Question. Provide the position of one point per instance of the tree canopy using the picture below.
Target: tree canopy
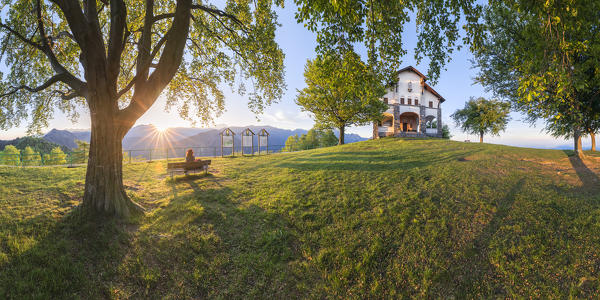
(51, 47)
(341, 90)
(379, 25)
(544, 56)
(481, 116)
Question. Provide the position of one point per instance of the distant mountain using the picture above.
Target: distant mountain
(37, 143)
(211, 138)
(149, 137)
(277, 137)
(61, 137)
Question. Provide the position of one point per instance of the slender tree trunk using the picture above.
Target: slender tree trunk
(481, 137)
(341, 138)
(577, 144)
(104, 191)
(593, 137)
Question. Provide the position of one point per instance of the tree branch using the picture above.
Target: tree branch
(21, 37)
(64, 75)
(212, 11)
(118, 18)
(52, 80)
(168, 63)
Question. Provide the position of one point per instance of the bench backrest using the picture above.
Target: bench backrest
(192, 164)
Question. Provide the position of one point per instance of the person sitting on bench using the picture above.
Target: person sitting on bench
(189, 157)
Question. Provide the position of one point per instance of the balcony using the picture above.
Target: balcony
(431, 130)
(385, 129)
(431, 111)
(409, 108)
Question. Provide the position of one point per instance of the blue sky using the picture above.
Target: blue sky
(455, 84)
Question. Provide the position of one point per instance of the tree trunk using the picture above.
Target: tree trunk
(593, 137)
(577, 144)
(341, 138)
(481, 137)
(104, 191)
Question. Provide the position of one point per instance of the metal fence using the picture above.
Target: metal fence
(43, 159)
(141, 155)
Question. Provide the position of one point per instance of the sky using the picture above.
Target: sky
(455, 85)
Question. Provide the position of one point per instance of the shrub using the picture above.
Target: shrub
(10, 156)
(56, 157)
(30, 157)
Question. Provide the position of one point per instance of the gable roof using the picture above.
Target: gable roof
(424, 78)
(414, 70)
(429, 88)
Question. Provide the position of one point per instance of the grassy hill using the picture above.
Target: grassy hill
(382, 219)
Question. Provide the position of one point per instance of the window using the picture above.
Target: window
(410, 86)
(416, 102)
(402, 100)
(396, 87)
(409, 101)
(430, 104)
(385, 100)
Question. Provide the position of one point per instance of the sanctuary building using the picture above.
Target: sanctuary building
(414, 107)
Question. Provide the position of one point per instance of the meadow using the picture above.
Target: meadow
(390, 218)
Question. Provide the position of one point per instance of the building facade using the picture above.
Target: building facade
(414, 107)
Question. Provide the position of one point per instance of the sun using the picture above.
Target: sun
(161, 128)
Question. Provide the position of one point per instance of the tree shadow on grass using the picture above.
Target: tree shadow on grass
(373, 161)
(589, 179)
(472, 267)
(211, 243)
(73, 258)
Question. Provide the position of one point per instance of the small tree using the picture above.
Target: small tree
(446, 132)
(341, 91)
(310, 140)
(10, 156)
(56, 157)
(482, 116)
(291, 143)
(29, 157)
(328, 138)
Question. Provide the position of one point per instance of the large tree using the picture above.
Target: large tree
(481, 116)
(544, 56)
(341, 90)
(116, 57)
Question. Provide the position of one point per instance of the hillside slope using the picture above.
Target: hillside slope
(389, 218)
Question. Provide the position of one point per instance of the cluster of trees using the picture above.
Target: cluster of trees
(314, 138)
(11, 155)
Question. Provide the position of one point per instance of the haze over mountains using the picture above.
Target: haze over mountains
(149, 137)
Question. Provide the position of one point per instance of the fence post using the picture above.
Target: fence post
(129, 156)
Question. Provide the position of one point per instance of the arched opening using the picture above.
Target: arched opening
(386, 126)
(409, 122)
(431, 124)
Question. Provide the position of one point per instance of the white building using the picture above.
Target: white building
(414, 107)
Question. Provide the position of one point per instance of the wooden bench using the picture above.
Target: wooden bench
(188, 166)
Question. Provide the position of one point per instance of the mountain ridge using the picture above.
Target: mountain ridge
(146, 136)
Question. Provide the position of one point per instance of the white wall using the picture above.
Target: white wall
(418, 92)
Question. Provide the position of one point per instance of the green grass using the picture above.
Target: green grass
(390, 218)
